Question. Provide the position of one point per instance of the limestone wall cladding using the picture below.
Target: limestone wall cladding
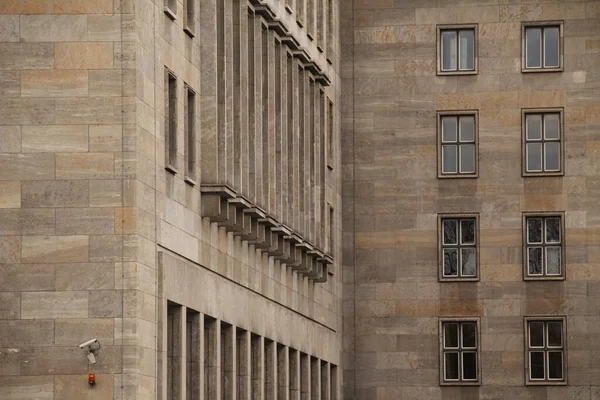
(392, 196)
(66, 158)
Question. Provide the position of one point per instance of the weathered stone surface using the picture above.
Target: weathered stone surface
(35, 305)
(54, 83)
(10, 307)
(84, 166)
(84, 55)
(55, 249)
(26, 55)
(54, 193)
(53, 28)
(79, 221)
(84, 276)
(10, 194)
(27, 387)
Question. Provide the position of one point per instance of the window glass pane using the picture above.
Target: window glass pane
(554, 333)
(450, 262)
(467, 49)
(449, 159)
(468, 261)
(469, 333)
(449, 129)
(467, 231)
(551, 126)
(552, 156)
(533, 37)
(467, 158)
(448, 50)
(536, 334)
(534, 157)
(534, 230)
(536, 365)
(553, 260)
(450, 334)
(469, 365)
(467, 129)
(535, 260)
(534, 126)
(450, 227)
(451, 363)
(555, 365)
(551, 47)
(553, 230)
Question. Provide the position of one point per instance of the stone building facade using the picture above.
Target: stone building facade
(300, 199)
(169, 185)
(401, 306)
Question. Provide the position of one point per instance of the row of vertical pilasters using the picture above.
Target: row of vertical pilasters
(207, 359)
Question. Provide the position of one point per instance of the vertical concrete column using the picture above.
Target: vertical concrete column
(284, 136)
(199, 375)
(253, 107)
(301, 137)
(315, 378)
(228, 364)
(319, 173)
(311, 15)
(266, 108)
(212, 359)
(305, 375)
(270, 370)
(333, 382)
(222, 84)
(283, 368)
(209, 160)
(258, 371)
(325, 381)
(294, 379)
(311, 159)
(163, 354)
(176, 360)
(271, 149)
(292, 133)
(278, 132)
(194, 375)
(229, 89)
(321, 16)
(324, 17)
(240, 96)
(244, 365)
(330, 31)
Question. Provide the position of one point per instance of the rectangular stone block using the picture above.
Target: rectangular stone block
(54, 83)
(23, 333)
(10, 139)
(106, 304)
(84, 276)
(106, 83)
(10, 83)
(23, 277)
(10, 249)
(55, 249)
(105, 248)
(53, 28)
(26, 387)
(24, 111)
(84, 55)
(84, 166)
(93, 110)
(27, 221)
(10, 307)
(26, 55)
(104, 28)
(55, 193)
(27, 6)
(69, 331)
(55, 138)
(54, 305)
(83, 6)
(10, 359)
(78, 221)
(106, 193)
(10, 194)
(106, 137)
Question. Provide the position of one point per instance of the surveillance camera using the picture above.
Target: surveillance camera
(92, 345)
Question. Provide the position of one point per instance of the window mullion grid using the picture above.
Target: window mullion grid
(458, 66)
(542, 51)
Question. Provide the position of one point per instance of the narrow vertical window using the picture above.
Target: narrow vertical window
(545, 351)
(543, 247)
(333, 384)
(171, 123)
(331, 230)
(330, 135)
(189, 12)
(542, 47)
(457, 49)
(459, 358)
(457, 141)
(542, 142)
(171, 9)
(193, 367)
(190, 136)
(458, 247)
(330, 32)
(174, 347)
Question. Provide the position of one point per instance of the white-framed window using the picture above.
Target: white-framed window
(458, 238)
(543, 142)
(542, 46)
(189, 17)
(459, 352)
(545, 357)
(544, 243)
(457, 144)
(457, 49)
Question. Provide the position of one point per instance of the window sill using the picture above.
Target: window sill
(330, 167)
(189, 32)
(442, 73)
(541, 174)
(533, 70)
(190, 181)
(462, 176)
(288, 8)
(546, 383)
(543, 278)
(170, 13)
(473, 279)
(460, 383)
(171, 169)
